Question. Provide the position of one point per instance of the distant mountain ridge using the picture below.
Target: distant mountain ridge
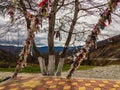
(16, 50)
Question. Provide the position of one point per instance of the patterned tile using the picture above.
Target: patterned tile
(57, 83)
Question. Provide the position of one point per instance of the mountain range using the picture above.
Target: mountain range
(16, 50)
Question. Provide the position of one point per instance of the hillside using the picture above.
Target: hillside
(107, 49)
(6, 58)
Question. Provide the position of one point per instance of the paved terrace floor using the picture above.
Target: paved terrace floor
(58, 83)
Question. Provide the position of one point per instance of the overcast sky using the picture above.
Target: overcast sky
(17, 35)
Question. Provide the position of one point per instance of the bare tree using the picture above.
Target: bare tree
(62, 15)
(63, 54)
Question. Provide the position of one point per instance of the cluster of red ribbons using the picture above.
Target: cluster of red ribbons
(11, 9)
(41, 4)
(11, 12)
(28, 44)
(92, 38)
(58, 35)
(44, 6)
(26, 50)
(35, 21)
(78, 60)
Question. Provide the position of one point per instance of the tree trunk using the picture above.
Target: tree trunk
(22, 63)
(52, 16)
(42, 65)
(61, 62)
(40, 59)
(60, 66)
(51, 65)
(51, 56)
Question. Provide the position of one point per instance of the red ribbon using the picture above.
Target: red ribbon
(42, 3)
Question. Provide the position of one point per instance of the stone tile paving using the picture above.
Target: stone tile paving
(57, 83)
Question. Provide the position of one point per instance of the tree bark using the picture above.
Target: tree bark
(61, 62)
(40, 59)
(60, 66)
(36, 52)
(42, 66)
(51, 65)
(52, 16)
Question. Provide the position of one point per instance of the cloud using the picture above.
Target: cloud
(17, 35)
